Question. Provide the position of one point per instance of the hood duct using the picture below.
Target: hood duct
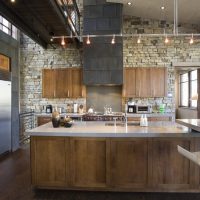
(102, 61)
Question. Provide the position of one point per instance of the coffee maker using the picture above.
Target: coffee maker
(49, 109)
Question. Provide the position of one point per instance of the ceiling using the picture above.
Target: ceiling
(188, 10)
(39, 19)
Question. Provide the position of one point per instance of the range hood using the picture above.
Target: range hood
(102, 61)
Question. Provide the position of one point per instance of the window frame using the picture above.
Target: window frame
(11, 32)
(189, 106)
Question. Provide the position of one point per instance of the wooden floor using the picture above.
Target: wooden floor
(15, 184)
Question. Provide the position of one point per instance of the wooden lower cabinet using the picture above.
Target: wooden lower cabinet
(114, 164)
(49, 161)
(170, 170)
(129, 158)
(88, 162)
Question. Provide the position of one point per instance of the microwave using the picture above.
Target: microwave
(139, 109)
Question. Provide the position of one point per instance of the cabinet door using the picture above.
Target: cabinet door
(77, 89)
(129, 158)
(43, 120)
(88, 162)
(129, 86)
(143, 82)
(158, 82)
(63, 83)
(48, 83)
(170, 170)
(49, 161)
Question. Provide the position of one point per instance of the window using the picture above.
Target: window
(8, 28)
(188, 89)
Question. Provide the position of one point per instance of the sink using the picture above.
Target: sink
(122, 124)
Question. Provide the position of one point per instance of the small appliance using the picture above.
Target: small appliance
(49, 109)
(140, 109)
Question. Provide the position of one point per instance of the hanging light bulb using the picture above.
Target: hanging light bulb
(113, 40)
(88, 40)
(139, 39)
(191, 40)
(63, 41)
(13, 1)
(166, 40)
(51, 39)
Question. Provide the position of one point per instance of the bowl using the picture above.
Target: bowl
(68, 124)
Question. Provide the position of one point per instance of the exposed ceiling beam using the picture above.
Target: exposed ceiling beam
(60, 14)
(20, 24)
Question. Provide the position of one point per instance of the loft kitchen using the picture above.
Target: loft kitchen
(104, 96)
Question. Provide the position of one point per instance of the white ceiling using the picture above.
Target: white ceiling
(188, 10)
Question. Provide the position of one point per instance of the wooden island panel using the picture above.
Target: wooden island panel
(170, 170)
(114, 164)
(49, 161)
(129, 161)
(88, 162)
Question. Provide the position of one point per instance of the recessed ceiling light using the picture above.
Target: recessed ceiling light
(129, 3)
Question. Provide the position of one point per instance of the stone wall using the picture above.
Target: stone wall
(33, 58)
(153, 52)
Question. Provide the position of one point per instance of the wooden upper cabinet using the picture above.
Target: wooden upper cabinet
(159, 82)
(63, 83)
(48, 83)
(129, 86)
(143, 82)
(77, 88)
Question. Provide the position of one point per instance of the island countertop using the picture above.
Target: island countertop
(107, 129)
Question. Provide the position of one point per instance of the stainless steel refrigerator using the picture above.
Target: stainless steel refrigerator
(5, 116)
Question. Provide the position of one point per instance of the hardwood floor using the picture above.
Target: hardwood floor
(15, 185)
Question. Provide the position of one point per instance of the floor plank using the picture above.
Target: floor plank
(15, 185)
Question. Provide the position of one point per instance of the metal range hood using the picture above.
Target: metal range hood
(102, 61)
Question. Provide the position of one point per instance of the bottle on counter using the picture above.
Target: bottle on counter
(142, 120)
(145, 120)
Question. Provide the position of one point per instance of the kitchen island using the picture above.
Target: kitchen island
(114, 157)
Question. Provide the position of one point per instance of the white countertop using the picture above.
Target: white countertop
(190, 123)
(100, 129)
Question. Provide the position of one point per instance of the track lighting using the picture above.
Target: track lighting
(113, 40)
(166, 40)
(88, 40)
(63, 41)
(191, 40)
(139, 39)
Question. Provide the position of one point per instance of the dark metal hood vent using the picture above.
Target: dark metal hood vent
(102, 61)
